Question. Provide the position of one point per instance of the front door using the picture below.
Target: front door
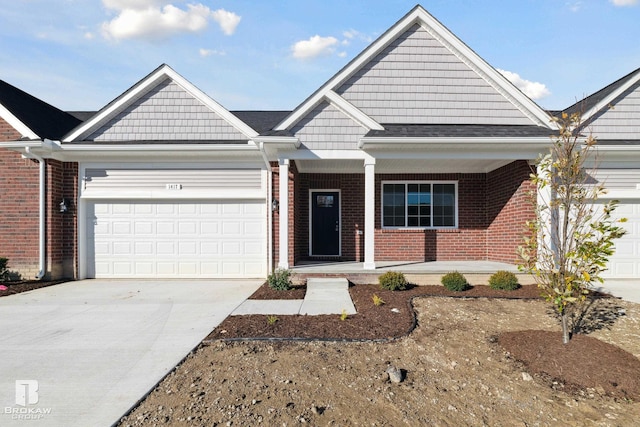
(325, 223)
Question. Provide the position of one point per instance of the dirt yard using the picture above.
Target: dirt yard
(455, 374)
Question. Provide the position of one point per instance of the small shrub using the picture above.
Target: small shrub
(4, 273)
(271, 320)
(377, 301)
(280, 280)
(344, 316)
(455, 281)
(393, 281)
(504, 280)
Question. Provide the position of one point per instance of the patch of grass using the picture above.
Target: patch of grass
(377, 301)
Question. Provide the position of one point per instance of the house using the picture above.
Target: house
(612, 116)
(416, 150)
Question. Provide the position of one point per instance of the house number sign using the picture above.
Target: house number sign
(174, 187)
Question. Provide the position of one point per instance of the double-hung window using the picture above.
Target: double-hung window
(421, 204)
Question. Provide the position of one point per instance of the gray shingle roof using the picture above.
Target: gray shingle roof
(460, 131)
(590, 101)
(43, 119)
(261, 121)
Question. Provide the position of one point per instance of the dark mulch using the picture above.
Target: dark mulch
(584, 362)
(27, 285)
(371, 322)
(266, 292)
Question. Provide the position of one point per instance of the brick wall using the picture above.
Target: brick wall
(61, 227)
(509, 207)
(467, 242)
(18, 208)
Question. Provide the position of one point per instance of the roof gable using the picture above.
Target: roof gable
(31, 117)
(163, 107)
(613, 113)
(419, 72)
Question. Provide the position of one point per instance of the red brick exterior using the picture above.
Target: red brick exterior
(19, 208)
(492, 211)
(19, 213)
(509, 207)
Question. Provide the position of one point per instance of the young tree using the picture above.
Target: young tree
(571, 238)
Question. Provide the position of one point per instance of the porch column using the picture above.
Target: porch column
(548, 238)
(369, 213)
(283, 187)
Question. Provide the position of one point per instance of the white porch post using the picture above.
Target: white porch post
(283, 254)
(549, 217)
(369, 213)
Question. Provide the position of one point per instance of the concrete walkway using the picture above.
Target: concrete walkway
(83, 353)
(323, 296)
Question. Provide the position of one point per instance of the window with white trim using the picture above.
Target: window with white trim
(421, 204)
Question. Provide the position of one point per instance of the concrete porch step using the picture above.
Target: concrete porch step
(324, 296)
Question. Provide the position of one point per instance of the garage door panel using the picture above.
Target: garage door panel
(168, 239)
(625, 262)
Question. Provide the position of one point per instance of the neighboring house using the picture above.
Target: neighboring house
(612, 116)
(416, 150)
(32, 233)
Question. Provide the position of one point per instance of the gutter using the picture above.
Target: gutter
(31, 155)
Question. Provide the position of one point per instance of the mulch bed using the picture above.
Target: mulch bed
(27, 285)
(586, 362)
(372, 322)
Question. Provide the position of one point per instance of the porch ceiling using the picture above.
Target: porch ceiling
(403, 165)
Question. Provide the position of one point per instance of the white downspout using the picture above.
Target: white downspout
(31, 155)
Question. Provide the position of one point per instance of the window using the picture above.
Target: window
(418, 204)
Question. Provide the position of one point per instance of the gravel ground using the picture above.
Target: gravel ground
(454, 373)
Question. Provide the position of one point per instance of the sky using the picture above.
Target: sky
(272, 54)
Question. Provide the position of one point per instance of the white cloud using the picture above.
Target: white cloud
(533, 90)
(357, 35)
(228, 21)
(210, 52)
(155, 19)
(315, 46)
(574, 6)
(624, 2)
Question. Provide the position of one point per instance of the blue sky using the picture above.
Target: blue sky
(264, 54)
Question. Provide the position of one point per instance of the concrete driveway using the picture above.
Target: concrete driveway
(83, 353)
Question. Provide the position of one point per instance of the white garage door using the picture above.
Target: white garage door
(625, 262)
(176, 239)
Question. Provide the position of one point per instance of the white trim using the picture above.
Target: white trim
(283, 193)
(161, 73)
(352, 111)
(310, 207)
(406, 213)
(17, 124)
(369, 214)
(613, 95)
(419, 15)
